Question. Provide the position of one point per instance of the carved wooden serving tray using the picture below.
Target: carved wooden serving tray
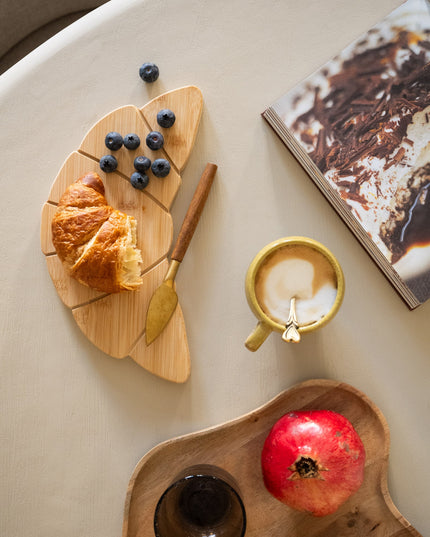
(236, 446)
(116, 323)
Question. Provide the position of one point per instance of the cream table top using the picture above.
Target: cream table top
(75, 421)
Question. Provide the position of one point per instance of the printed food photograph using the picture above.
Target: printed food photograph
(364, 121)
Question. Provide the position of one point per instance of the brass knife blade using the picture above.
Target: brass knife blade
(164, 300)
(161, 306)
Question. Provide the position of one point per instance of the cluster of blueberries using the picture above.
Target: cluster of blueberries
(155, 140)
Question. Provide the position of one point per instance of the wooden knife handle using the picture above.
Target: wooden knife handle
(194, 211)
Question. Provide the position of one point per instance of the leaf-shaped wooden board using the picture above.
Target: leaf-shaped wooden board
(236, 446)
(116, 323)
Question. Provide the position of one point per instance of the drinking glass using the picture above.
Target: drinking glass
(202, 501)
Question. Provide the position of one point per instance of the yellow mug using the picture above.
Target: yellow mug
(292, 330)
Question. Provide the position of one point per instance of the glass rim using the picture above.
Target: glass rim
(183, 479)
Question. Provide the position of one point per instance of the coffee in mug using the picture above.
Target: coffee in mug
(298, 272)
(294, 285)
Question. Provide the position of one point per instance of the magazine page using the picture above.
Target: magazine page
(362, 122)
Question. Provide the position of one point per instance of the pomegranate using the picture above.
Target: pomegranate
(313, 461)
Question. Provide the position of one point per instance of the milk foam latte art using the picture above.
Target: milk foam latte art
(300, 272)
(294, 285)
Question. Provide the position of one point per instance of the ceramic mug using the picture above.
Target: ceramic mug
(310, 280)
(202, 500)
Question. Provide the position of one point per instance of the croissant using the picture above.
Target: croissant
(95, 242)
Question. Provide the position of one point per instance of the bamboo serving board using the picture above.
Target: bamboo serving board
(116, 323)
(236, 446)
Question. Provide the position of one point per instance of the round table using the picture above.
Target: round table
(75, 421)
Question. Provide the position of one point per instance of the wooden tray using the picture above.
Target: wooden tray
(116, 323)
(236, 446)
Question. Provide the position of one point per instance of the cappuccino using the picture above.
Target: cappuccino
(300, 272)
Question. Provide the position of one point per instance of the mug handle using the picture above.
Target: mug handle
(258, 336)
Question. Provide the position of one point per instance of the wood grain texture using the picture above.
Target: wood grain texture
(116, 323)
(236, 446)
(194, 212)
(187, 104)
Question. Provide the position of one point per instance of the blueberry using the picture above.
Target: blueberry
(149, 72)
(108, 163)
(141, 164)
(160, 167)
(166, 118)
(139, 180)
(113, 140)
(155, 140)
(131, 141)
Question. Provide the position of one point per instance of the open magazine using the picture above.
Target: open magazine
(360, 126)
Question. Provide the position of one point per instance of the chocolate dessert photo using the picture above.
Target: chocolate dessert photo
(360, 126)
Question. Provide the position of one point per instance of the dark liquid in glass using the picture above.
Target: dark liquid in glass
(204, 501)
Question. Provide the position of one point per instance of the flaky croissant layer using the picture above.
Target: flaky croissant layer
(95, 242)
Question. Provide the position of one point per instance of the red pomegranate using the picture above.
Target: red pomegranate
(313, 461)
